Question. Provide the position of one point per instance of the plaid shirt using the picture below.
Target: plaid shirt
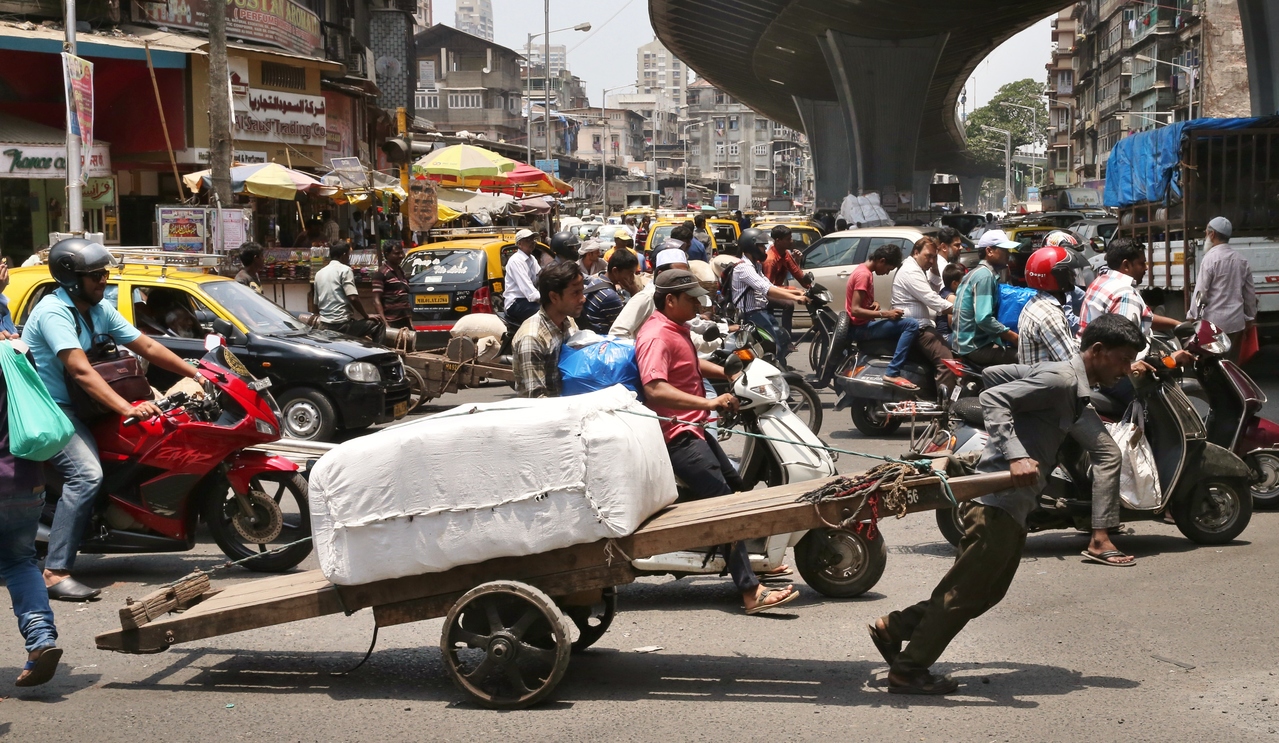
(536, 361)
(1044, 332)
(1115, 293)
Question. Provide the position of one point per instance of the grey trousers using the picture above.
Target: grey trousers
(1106, 459)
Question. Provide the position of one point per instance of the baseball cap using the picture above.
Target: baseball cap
(1221, 226)
(996, 239)
(681, 281)
(669, 256)
(624, 236)
(522, 234)
(588, 246)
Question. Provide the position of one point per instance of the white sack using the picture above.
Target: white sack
(480, 325)
(487, 480)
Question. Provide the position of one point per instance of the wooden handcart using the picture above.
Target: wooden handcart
(455, 369)
(510, 622)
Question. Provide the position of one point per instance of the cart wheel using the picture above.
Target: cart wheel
(593, 621)
(417, 387)
(506, 645)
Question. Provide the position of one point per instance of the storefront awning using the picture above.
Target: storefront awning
(31, 150)
(168, 50)
(323, 64)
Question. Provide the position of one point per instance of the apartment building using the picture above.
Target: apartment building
(730, 143)
(657, 71)
(475, 17)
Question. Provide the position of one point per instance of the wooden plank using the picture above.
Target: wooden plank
(555, 585)
(186, 593)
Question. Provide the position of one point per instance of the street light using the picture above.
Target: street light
(546, 81)
(685, 139)
(1034, 118)
(1148, 115)
(1008, 152)
(1191, 72)
(604, 150)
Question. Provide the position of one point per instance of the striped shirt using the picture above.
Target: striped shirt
(1115, 293)
(1044, 332)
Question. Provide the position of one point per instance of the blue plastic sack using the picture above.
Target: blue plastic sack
(1011, 301)
(38, 429)
(599, 366)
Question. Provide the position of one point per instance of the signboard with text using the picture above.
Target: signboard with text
(339, 132)
(50, 162)
(272, 116)
(283, 23)
(77, 75)
(183, 228)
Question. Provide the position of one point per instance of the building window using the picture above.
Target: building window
(719, 150)
(761, 149)
(761, 124)
(720, 97)
(732, 123)
(425, 100)
(275, 75)
(734, 149)
(466, 100)
(732, 174)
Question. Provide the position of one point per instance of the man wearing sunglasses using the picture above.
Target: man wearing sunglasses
(62, 327)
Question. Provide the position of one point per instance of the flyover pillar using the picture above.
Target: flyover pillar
(1261, 40)
(882, 85)
(919, 189)
(828, 132)
(970, 191)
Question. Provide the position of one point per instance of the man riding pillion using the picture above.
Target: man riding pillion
(870, 322)
(750, 292)
(979, 337)
(61, 328)
(672, 376)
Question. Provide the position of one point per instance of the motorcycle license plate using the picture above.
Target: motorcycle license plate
(431, 299)
(954, 394)
(400, 410)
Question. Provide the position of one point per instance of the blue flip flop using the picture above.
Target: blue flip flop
(42, 668)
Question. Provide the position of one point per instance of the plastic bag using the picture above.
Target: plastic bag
(1248, 345)
(599, 366)
(1138, 475)
(1011, 301)
(38, 428)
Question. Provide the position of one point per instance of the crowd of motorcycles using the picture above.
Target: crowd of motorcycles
(217, 457)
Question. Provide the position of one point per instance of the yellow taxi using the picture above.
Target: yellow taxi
(661, 230)
(459, 275)
(324, 381)
(724, 230)
(804, 232)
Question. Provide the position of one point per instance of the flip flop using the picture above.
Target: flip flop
(905, 384)
(761, 606)
(887, 647)
(42, 668)
(1104, 558)
(925, 683)
(781, 572)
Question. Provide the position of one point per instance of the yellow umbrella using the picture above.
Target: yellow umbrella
(463, 161)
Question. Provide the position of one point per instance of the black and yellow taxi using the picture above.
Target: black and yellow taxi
(660, 232)
(804, 232)
(325, 382)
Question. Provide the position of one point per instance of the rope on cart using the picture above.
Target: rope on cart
(199, 572)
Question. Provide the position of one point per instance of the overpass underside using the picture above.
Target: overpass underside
(875, 84)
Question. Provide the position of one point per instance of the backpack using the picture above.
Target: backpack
(728, 303)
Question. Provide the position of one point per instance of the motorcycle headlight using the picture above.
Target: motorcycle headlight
(774, 389)
(362, 371)
(265, 428)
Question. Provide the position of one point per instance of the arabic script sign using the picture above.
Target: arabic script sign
(281, 117)
(283, 23)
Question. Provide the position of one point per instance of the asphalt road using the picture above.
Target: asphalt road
(1178, 647)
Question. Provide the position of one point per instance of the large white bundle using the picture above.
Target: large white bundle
(487, 480)
(851, 211)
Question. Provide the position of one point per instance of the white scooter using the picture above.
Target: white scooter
(835, 562)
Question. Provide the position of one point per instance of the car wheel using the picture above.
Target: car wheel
(308, 415)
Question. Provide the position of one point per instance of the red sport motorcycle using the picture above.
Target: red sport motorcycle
(161, 476)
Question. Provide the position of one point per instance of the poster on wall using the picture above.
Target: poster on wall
(183, 228)
(339, 133)
(235, 230)
(423, 205)
(77, 75)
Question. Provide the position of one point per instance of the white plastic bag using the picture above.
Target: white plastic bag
(1138, 476)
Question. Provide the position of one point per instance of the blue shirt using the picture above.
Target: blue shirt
(51, 328)
(6, 319)
(976, 322)
(697, 251)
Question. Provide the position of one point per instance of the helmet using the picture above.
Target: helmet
(74, 257)
(1062, 238)
(565, 245)
(752, 242)
(1053, 268)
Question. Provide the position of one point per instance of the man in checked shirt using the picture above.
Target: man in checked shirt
(1045, 336)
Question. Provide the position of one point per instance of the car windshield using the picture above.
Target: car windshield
(605, 234)
(1107, 229)
(259, 314)
(444, 266)
(661, 234)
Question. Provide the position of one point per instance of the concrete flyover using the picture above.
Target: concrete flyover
(875, 84)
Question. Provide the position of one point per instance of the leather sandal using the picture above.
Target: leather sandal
(70, 589)
(887, 647)
(41, 669)
(924, 683)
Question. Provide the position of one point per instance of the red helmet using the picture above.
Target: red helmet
(1053, 269)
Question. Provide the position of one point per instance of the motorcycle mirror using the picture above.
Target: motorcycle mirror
(711, 334)
(734, 365)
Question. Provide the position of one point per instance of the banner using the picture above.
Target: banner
(183, 228)
(77, 75)
(423, 205)
(273, 116)
(284, 23)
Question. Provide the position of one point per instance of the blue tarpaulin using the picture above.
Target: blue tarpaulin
(1144, 167)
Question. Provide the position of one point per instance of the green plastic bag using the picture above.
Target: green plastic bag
(38, 428)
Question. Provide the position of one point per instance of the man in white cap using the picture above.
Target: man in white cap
(1224, 294)
(640, 307)
(590, 261)
(521, 297)
(978, 336)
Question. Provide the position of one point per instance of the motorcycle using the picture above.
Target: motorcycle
(1203, 485)
(835, 562)
(823, 320)
(800, 396)
(194, 462)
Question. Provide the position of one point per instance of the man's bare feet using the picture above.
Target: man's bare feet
(1100, 544)
(902, 382)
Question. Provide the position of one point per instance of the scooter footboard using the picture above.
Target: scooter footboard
(795, 446)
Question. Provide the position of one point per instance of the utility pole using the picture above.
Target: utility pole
(546, 63)
(1008, 153)
(75, 192)
(219, 109)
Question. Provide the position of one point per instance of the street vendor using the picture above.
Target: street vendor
(337, 300)
(536, 346)
(672, 376)
(1029, 412)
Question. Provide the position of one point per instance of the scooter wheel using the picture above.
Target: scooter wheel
(871, 423)
(1215, 512)
(841, 563)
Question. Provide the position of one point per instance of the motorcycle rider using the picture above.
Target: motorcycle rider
(750, 292)
(780, 266)
(1045, 337)
(640, 306)
(62, 327)
(536, 346)
(913, 293)
(607, 294)
(521, 297)
(1115, 289)
(566, 246)
(869, 322)
(674, 388)
(1029, 411)
(978, 336)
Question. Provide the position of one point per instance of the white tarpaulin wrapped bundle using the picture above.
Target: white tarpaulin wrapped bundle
(487, 480)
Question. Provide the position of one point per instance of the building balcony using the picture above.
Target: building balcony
(1155, 21)
(505, 81)
(462, 118)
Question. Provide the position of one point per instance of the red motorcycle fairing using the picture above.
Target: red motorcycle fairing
(1258, 434)
(245, 465)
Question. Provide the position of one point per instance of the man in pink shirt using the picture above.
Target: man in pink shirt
(671, 374)
(869, 322)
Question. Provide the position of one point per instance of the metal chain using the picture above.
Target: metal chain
(232, 563)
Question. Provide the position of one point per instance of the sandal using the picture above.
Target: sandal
(904, 384)
(924, 683)
(41, 669)
(1107, 558)
(779, 572)
(764, 605)
(887, 647)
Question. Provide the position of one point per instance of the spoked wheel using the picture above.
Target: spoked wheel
(840, 563)
(278, 516)
(1265, 491)
(593, 621)
(506, 645)
(804, 402)
(1215, 513)
(417, 387)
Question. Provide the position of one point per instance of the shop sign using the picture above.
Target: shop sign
(272, 116)
(46, 162)
(99, 192)
(183, 228)
(200, 155)
(339, 134)
(283, 23)
(350, 172)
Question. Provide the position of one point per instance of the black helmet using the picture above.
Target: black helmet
(565, 245)
(752, 242)
(74, 257)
